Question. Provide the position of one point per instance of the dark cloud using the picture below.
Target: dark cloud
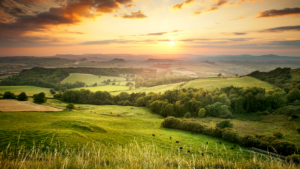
(133, 15)
(282, 29)
(186, 2)
(277, 13)
(236, 33)
(294, 43)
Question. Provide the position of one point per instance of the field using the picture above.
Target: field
(13, 105)
(90, 79)
(29, 90)
(83, 125)
(155, 89)
(4, 77)
(212, 83)
(108, 88)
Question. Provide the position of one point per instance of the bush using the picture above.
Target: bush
(9, 95)
(298, 129)
(278, 135)
(295, 158)
(187, 115)
(284, 147)
(39, 98)
(70, 106)
(224, 123)
(22, 97)
(171, 122)
(294, 116)
(230, 136)
(290, 118)
(201, 113)
(265, 113)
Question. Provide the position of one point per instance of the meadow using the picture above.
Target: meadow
(155, 89)
(29, 90)
(108, 88)
(212, 83)
(90, 79)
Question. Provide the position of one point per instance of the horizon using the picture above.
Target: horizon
(197, 27)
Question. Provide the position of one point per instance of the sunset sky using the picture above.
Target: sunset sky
(202, 27)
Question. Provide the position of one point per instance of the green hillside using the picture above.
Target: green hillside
(212, 83)
(89, 79)
(29, 90)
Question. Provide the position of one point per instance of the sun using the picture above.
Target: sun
(172, 43)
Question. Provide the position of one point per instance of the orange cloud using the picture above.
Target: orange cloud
(186, 2)
(134, 15)
(277, 13)
(130, 6)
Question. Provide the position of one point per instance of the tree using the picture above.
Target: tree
(219, 75)
(130, 87)
(236, 75)
(187, 115)
(202, 112)
(22, 97)
(293, 95)
(224, 123)
(113, 83)
(70, 106)
(40, 98)
(9, 95)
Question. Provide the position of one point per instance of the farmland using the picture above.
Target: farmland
(89, 79)
(212, 83)
(108, 88)
(30, 90)
(13, 105)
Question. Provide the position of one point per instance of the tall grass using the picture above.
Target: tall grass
(133, 155)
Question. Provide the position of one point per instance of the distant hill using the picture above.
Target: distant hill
(161, 60)
(117, 60)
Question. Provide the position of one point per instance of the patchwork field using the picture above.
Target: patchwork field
(108, 88)
(212, 83)
(29, 90)
(90, 79)
(155, 89)
(14, 105)
(84, 125)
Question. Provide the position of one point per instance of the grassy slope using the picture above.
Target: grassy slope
(155, 89)
(108, 88)
(29, 90)
(89, 79)
(73, 127)
(212, 83)
(295, 74)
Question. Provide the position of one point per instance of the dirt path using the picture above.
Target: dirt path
(14, 105)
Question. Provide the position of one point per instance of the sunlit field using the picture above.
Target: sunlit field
(212, 83)
(108, 88)
(30, 90)
(90, 79)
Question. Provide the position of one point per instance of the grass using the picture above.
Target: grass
(155, 89)
(265, 126)
(83, 125)
(4, 77)
(133, 155)
(89, 79)
(29, 90)
(108, 88)
(212, 83)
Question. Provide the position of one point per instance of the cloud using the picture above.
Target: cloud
(186, 2)
(277, 13)
(133, 15)
(294, 43)
(214, 7)
(282, 29)
(236, 33)
(235, 19)
(160, 33)
(130, 6)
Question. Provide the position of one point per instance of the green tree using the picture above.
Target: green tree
(202, 112)
(9, 95)
(40, 98)
(236, 75)
(219, 75)
(187, 115)
(22, 97)
(293, 95)
(70, 106)
(224, 124)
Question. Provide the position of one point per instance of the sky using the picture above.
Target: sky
(199, 27)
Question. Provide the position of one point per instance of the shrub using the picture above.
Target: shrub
(22, 97)
(298, 129)
(201, 112)
(284, 147)
(294, 116)
(268, 139)
(39, 98)
(224, 123)
(290, 118)
(278, 135)
(187, 115)
(9, 95)
(230, 136)
(70, 106)
(171, 122)
(265, 113)
(295, 158)
(249, 141)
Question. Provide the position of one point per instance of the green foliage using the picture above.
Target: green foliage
(9, 95)
(22, 97)
(39, 98)
(171, 122)
(278, 134)
(284, 147)
(201, 113)
(187, 115)
(70, 106)
(293, 95)
(294, 158)
(224, 124)
(298, 129)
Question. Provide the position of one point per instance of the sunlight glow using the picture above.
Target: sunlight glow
(172, 43)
